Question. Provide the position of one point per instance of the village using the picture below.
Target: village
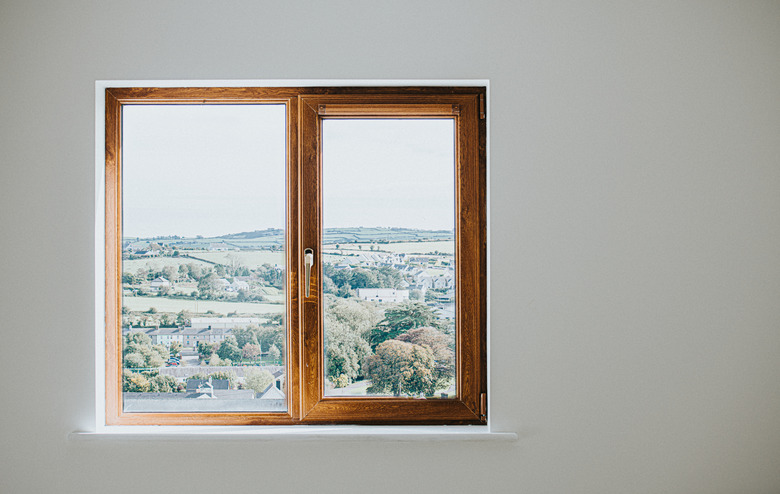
(216, 315)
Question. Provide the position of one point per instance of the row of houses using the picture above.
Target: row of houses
(201, 329)
(209, 395)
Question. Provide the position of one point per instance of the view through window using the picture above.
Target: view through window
(388, 257)
(203, 264)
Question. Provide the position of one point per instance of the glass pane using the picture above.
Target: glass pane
(203, 258)
(388, 257)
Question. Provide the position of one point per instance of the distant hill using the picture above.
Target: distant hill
(274, 237)
(271, 232)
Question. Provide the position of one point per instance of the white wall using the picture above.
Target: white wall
(635, 195)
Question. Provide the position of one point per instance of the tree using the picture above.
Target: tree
(162, 384)
(258, 380)
(162, 351)
(206, 286)
(205, 349)
(271, 334)
(183, 318)
(274, 353)
(154, 359)
(345, 352)
(357, 314)
(139, 338)
(399, 368)
(362, 278)
(402, 318)
(228, 349)
(340, 277)
(328, 286)
(443, 347)
(133, 382)
(247, 336)
(134, 361)
(175, 348)
(128, 279)
(195, 271)
(138, 352)
(170, 272)
(388, 277)
(250, 351)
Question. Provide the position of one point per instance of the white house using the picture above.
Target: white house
(239, 285)
(160, 282)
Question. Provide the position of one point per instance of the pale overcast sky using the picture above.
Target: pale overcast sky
(202, 169)
(216, 169)
(396, 173)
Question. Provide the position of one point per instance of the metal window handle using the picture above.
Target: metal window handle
(308, 262)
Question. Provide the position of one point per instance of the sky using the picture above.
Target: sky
(216, 169)
(393, 173)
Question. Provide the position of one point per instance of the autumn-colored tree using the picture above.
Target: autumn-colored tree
(401, 368)
(443, 347)
(250, 351)
(134, 383)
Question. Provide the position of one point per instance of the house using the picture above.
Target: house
(158, 283)
(383, 294)
(239, 285)
(271, 393)
(192, 336)
(166, 336)
(196, 385)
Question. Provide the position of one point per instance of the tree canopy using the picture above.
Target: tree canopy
(401, 368)
(402, 318)
(258, 380)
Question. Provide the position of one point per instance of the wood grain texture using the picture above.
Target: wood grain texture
(470, 255)
(113, 259)
(306, 107)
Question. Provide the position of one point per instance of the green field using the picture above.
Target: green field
(443, 246)
(251, 259)
(157, 263)
(164, 304)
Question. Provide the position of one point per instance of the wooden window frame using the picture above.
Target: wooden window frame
(306, 107)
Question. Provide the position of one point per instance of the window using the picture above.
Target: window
(304, 255)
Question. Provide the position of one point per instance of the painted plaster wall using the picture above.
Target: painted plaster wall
(635, 244)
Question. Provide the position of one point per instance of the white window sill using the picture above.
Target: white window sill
(295, 433)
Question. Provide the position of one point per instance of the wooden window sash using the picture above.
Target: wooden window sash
(304, 358)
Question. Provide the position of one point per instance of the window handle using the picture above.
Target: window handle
(308, 261)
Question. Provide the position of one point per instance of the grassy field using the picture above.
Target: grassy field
(157, 263)
(251, 259)
(164, 304)
(443, 246)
